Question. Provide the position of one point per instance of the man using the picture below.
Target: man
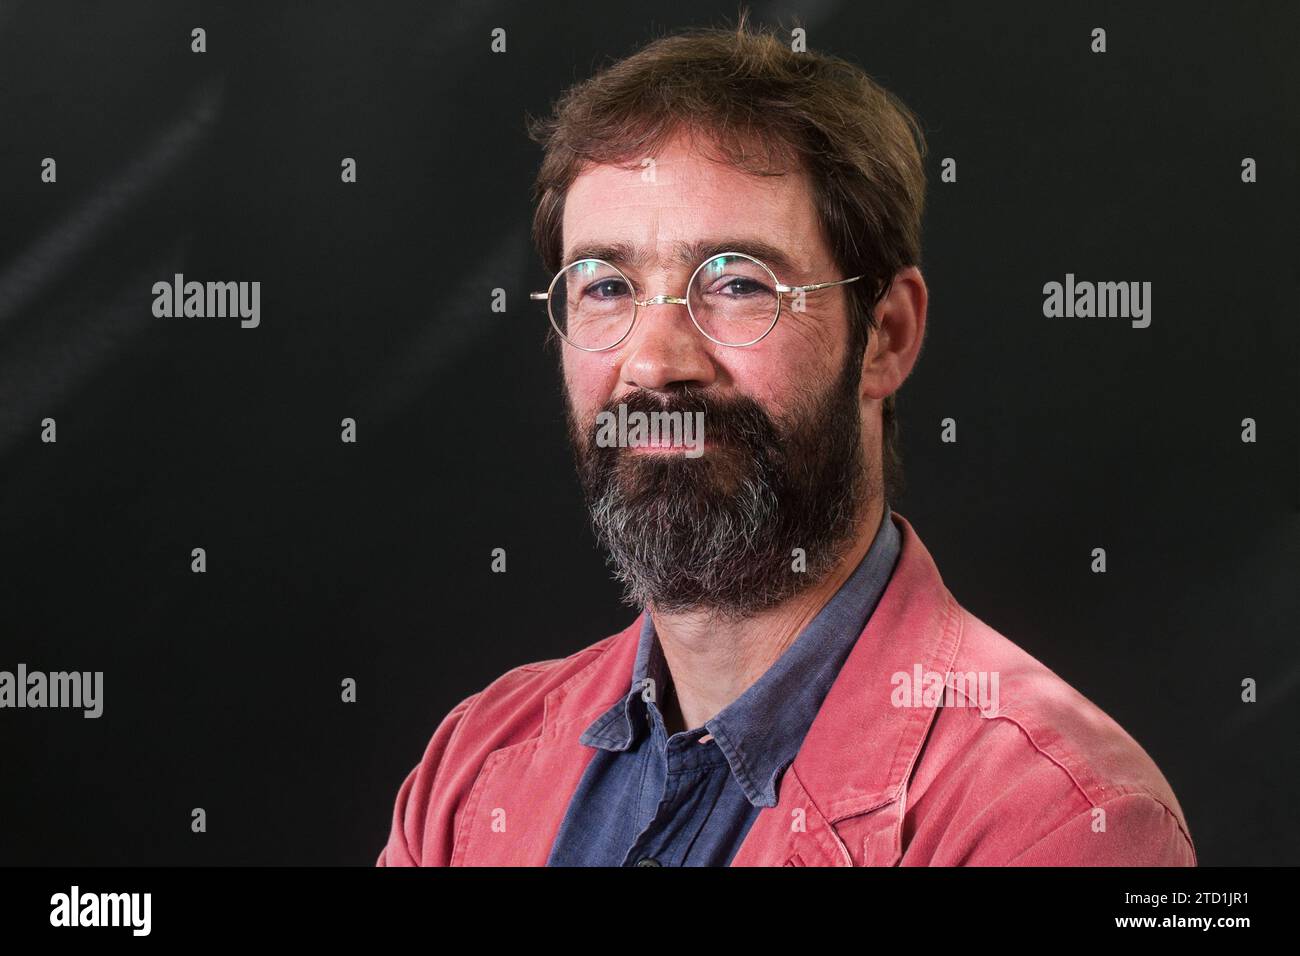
(734, 229)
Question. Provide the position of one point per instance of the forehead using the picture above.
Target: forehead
(682, 195)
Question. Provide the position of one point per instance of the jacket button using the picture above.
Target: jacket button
(648, 861)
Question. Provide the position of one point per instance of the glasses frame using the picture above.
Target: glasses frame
(637, 304)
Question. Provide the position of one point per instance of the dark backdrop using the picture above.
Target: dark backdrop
(371, 560)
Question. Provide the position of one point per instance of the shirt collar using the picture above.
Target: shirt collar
(760, 732)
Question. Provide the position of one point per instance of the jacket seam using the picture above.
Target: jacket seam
(1140, 790)
(1119, 796)
(1128, 789)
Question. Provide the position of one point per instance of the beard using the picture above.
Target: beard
(718, 533)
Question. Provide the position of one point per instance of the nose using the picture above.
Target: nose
(666, 350)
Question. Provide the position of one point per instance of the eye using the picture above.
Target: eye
(740, 285)
(606, 288)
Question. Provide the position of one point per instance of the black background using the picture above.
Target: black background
(372, 561)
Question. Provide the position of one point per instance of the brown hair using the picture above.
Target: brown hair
(860, 145)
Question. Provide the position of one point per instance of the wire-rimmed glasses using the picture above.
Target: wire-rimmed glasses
(733, 299)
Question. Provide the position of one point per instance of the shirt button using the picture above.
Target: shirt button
(648, 861)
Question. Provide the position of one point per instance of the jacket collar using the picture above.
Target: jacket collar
(860, 750)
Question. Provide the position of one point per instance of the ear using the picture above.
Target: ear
(895, 345)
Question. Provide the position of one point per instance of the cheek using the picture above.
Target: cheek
(815, 337)
(589, 380)
(801, 361)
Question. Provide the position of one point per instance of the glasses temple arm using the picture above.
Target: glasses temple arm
(815, 286)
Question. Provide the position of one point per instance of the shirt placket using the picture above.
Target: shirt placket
(661, 792)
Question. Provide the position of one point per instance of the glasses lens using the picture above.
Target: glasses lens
(734, 299)
(591, 304)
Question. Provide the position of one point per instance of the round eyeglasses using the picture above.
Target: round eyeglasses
(733, 299)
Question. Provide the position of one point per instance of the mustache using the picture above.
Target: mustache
(728, 419)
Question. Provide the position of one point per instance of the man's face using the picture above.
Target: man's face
(783, 464)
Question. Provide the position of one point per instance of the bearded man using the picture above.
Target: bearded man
(734, 233)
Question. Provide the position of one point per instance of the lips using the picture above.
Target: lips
(660, 445)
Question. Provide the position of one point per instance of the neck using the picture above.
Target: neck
(713, 662)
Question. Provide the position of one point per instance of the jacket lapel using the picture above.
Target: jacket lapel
(841, 801)
(514, 811)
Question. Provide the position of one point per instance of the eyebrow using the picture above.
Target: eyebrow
(686, 253)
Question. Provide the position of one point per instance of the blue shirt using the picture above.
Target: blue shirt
(651, 799)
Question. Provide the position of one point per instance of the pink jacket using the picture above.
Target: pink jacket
(1044, 778)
